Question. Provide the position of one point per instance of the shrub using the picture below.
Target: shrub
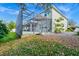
(59, 30)
(77, 33)
(70, 29)
(3, 29)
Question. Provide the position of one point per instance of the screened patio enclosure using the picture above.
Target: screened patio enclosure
(44, 21)
(40, 18)
(39, 23)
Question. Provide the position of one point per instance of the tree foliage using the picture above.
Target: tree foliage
(71, 26)
(72, 23)
(11, 25)
(3, 29)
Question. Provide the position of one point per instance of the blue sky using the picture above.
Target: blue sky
(70, 10)
(9, 11)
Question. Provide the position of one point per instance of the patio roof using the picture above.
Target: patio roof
(41, 17)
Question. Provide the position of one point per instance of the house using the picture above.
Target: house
(76, 29)
(13, 30)
(51, 20)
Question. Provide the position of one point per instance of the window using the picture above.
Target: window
(45, 14)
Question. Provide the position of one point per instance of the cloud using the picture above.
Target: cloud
(3, 9)
(13, 12)
(65, 9)
(8, 10)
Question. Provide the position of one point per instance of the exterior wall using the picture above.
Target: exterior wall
(57, 15)
(65, 24)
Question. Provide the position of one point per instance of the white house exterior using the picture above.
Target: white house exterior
(46, 22)
(56, 14)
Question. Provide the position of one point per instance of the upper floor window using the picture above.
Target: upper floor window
(45, 14)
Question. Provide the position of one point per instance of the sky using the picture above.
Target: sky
(70, 10)
(9, 11)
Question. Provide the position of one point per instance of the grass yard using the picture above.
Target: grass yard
(36, 46)
(10, 36)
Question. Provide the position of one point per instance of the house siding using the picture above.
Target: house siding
(56, 15)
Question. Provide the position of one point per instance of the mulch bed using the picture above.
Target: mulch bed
(71, 41)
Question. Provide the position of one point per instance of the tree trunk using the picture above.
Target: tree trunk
(19, 23)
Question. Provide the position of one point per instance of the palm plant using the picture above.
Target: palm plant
(58, 24)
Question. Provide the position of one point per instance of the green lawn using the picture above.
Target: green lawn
(38, 47)
(10, 36)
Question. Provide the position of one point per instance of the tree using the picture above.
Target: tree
(11, 25)
(19, 21)
(71, 25)
(3, 29)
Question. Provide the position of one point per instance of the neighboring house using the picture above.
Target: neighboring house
(76, 29)
(47, 22)
(13, 30)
